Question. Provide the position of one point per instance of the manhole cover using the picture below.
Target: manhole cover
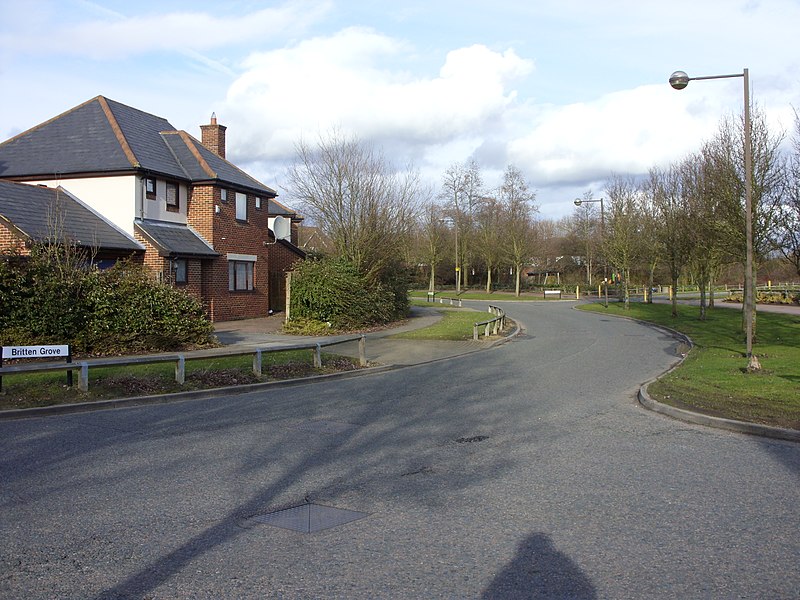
(309, 518)
(323, 426)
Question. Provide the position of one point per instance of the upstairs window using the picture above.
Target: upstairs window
(150, 188)
(258, 202)
(241, 206)
(223, 195)
(173, 205)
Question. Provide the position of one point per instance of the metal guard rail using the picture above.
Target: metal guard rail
(453, 301)
(180, 360)
(495, 325)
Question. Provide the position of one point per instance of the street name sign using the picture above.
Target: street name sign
(59, 351)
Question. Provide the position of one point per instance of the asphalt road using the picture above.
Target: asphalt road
(524, 471)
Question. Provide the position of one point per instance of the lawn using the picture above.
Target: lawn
(45, 389)
(713, 379)
(456, 324)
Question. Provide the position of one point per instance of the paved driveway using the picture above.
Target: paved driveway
(525, 471)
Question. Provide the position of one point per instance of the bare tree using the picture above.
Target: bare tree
(431, 238)
(351, 192)
(623, 239)
(786, 233)
(726, 153)
(488, 233)
(462, 188)
(709, 215)
(519, 235)
(671, 214)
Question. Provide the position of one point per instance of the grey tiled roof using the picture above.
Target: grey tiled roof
(104, 136)
(174, 239)
(42, 213)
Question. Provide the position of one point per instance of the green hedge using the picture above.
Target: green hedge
(54, 298)
(331, 291)
(765, 297)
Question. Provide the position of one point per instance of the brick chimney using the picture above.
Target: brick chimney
(213, 136)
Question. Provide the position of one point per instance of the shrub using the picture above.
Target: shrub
(764, 297)
(56, 297)
(333, 291)
(133, 312)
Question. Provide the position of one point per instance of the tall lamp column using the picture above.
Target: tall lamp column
(578, 202)
(679, 80)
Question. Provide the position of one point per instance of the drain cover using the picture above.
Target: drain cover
(323, 426)
(309, 518)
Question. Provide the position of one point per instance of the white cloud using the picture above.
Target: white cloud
(624, 132)
(115, 36)
(357, 80)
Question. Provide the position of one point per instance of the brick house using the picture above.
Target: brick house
(203, 223)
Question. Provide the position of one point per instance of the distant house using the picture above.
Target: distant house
(201, 222)
(314, 240)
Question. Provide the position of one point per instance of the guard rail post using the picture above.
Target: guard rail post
(318, 356)
(362, 350)
(180, 370)
(257, 363)
(83, 378)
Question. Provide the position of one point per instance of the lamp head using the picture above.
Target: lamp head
(578, 202)
(679, 80)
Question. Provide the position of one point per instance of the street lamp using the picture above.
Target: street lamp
(679, 80)
(454, 221)
(578, 202)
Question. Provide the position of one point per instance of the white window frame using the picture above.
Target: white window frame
(241, 272)
(174, 203)
(241, 206)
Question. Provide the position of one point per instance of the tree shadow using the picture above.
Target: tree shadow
(352, 460)
(540, 570)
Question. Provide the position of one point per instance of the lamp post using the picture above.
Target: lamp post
(454, 221)
(679, 80)
(578, 202)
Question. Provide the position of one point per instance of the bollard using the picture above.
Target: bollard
(318, 357)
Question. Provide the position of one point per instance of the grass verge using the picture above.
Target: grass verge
(713, 379)
(46, 389)
(455, 325)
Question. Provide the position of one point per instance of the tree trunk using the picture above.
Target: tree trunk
(674, 295)
(488, 280)
(702, 283)
(432, 281)
(625, 291)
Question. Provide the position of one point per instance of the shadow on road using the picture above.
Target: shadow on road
(539, 570)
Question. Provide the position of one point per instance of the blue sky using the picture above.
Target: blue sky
(569, 91)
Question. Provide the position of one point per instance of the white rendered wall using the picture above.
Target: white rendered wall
(121, 199)
(112, 197)
(157, 209)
